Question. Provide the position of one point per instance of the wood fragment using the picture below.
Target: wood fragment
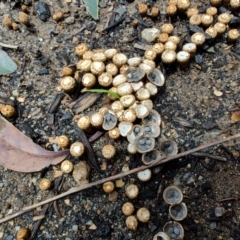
(118, 176)
(8, 45)
(84, 102)
(55, 102)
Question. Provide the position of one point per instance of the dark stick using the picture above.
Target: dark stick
(202, 154)
(115, 24)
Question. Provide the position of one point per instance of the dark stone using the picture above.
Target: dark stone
(208, 125)
(42, 10)
(43, 71)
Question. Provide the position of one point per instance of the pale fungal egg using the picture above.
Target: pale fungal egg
(143, 214)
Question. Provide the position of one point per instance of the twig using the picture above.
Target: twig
(8, 46)
(114, 24)
(202, 154)
(120, 175)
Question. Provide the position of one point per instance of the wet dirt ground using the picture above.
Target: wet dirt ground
(196, 104)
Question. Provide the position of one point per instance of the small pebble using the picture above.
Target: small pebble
(213, 225)
(69, 20)
(150, 34)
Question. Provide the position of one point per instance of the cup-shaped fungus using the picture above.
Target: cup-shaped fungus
(168, 147)
(152, 117)
(151, 130)
(216, 3)
(156, 77)
(66, 166)
(119, 59)
(105, 79)
(167, 28)
(206, 20)
(109, 120)
(191, 11)
(183, 5)
(224, 18)
(45, 184)
(161, 236)
(183, 57)
(163, 37)
(129, 115)
(109, 53)
(84, 65)
(168, 56)
(96, 119)
(119, 79)
(84, 123)
(136, 85)
(88, 80)
(87, 55)
(198, 38)
(211, 11)
(111, 69)
(148, 104)
(178, 211)
(143, 214)
(131, 148)
(144, 175)
(152, 88)
(63, 141)
(24, 18)
(132, 191)
(99, 56)
(145, 67)
(81, 49)
(144, 144)
(143, 94)
(77, 149)
(114, 133)
(220, 27)
(174, 230)
(190, 48)
(23, 233)
(212, 32)
(125, 128)
(141, 110)
(108, 187)
(127, 208)
(81, 173)
(134, 61)
(195, 19)
(170, 45)
(232, 35)
(68, 83)
(150, 54)
(124, 89)
(127, 100)
(8, 111)
(131, 222)
(116, 106)
(171, 10)
(97, 67)
(151, 156)
(172, 195)
(134, 74)
(137, 131)
(235, 4)
(108, 151)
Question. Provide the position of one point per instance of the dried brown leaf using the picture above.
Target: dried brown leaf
(20, 153)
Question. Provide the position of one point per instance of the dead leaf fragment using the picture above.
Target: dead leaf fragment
(20, 153)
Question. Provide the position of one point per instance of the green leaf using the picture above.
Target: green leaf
(7, 65)
(103, 91)
(92, 7)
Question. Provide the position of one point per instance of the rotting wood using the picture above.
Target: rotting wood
(84, 102)
(117, 176)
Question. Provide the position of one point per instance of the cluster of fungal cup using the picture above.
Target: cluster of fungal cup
(131, 83)
(213, 26)
(173, 197)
